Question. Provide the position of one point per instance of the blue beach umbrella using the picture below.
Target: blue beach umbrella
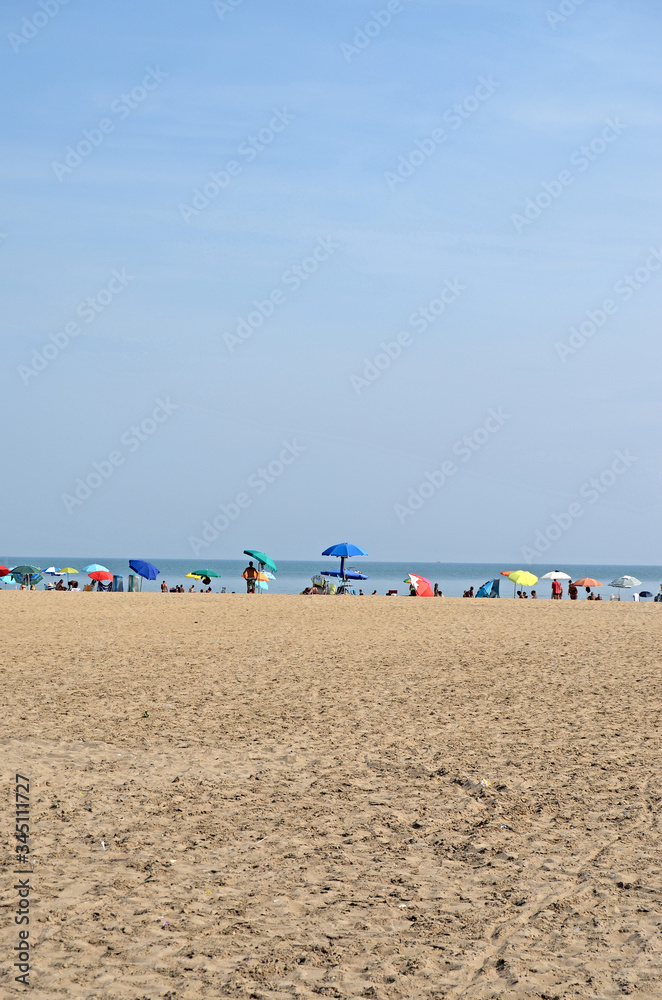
(344, 550)
(144, 570)
(349, 574)
(95, 568)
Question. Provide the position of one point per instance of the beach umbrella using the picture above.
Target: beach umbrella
(422, 586)
(101, 574)
(28, 572)
(199, 573)
(262, 558)
(522, 578)
(53, 571)
(69, 570)
(586, 581)
(555, 574)
(348, 574)
(344, 550)
(94, 568)
(624, 583)
(4, 571)
(144, 570)
(645, 593)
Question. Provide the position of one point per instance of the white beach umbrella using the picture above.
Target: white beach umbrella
(625, 582)
(556, 575)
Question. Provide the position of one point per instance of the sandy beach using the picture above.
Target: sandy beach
(335, 797)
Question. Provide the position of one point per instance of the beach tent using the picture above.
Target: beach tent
(489, 589)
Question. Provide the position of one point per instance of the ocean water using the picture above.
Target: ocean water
(293, 576)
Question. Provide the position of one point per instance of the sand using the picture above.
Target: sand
(335, 797)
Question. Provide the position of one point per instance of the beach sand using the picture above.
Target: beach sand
(335, 797)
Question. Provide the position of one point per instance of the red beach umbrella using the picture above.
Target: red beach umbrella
(100, 574)
(422, 586)
(586, 581)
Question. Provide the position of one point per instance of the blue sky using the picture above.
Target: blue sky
(482, 107)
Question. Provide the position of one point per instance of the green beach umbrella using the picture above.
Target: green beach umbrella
(26, 570)
(200, 573)
(262, 558)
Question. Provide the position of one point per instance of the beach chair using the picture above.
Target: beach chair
(392, 593)
(87, 587)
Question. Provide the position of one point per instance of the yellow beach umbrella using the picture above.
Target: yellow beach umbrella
(522, 578)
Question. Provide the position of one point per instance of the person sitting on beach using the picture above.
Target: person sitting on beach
(374, 593)
(589, 595)
(599, 597)
(534, 595)
(60, 585)
(191, 589)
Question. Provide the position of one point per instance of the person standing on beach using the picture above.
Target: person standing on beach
(250, 575)
(572, 592)
(557, 590)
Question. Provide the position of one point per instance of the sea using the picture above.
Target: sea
(293, 576)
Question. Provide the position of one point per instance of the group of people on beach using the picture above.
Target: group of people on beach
(180, 589)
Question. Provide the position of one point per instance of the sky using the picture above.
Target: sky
(283, 275)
